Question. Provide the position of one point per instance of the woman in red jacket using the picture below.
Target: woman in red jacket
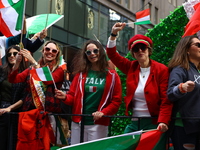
(146, 83)
(95, 90)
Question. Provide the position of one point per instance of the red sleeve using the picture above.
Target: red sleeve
(120, 62)
(116, 98)
(15, 77)
(71, 93)
(166, 104)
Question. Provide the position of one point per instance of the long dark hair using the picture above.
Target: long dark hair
(7, 67)
(81, 63)
(180, 56)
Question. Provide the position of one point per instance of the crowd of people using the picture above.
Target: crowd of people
(155, 93)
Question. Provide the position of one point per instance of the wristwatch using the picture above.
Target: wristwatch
(114, 35)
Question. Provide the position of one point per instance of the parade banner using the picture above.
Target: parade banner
(127, 141)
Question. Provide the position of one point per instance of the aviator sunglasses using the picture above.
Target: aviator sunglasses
(89, 52)
(47, 49)
(137, 47)
(196, 44)
(12, 53)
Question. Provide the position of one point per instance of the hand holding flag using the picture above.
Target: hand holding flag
(42, 74)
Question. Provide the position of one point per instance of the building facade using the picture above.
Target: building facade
(93, 19)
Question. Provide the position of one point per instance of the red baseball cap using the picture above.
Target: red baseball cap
(139, 38)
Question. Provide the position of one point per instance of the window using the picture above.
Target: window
(142, 4)
(156, 15)
(127, 4)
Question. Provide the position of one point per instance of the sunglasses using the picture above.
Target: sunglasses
(89, 52)
(47, 49)
(137, 47)
(12, 53)
(196, 44)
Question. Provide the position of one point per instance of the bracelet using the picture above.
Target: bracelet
(181, 88)
(114, 35)
(35, 64)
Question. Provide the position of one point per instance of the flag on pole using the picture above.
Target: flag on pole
(143, 17)
(11, 16)
(193, 25)
(41, 74)
(62, 63)
(37, 23)
(127, 141)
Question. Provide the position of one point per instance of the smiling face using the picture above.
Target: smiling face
(140, 52)
(94, 56)
(12, 56)
(50, 52)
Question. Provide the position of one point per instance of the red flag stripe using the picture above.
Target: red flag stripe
(4, 28)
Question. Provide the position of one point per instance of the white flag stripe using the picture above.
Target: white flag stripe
(143, 19)
(7, 18)
(40, 74)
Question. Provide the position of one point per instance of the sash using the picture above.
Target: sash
(38, 93)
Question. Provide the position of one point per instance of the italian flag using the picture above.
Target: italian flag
(127, 141)
(193, 26)
(37, 23)
(143, 17)
(41, 74)
(11, 16)
(62, 63)
(91, 88)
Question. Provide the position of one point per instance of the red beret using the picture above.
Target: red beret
(139, 38)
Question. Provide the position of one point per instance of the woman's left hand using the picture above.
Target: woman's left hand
(162, 127)
(97, 115)
(4, 110)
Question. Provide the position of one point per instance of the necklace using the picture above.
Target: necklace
(144, 72)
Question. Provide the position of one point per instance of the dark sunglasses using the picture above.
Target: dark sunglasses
(89, 52)
(47, 49)
(12, 53)
(137, 47)
(196, 44)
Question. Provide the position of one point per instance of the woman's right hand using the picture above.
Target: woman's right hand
(118, 27)
(60, 94)
(188, 86)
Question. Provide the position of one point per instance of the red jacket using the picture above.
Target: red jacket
(109, 104)
(155, 89)
(34, 131)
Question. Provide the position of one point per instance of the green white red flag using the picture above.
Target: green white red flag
(143, 17)
(41, 74)
(62, 63)
(37, 23)
(11, 16)
(91, 88)
(127, 141)
(193, 26)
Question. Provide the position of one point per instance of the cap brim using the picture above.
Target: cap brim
(138, 43)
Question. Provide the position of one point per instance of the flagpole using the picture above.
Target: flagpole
(52, 78)
(21, 44)
(149, 130)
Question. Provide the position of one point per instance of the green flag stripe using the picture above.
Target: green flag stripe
(143, 22)
(126, 142)
(47, 73)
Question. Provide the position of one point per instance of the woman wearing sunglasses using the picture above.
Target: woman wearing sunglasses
(51, 58)
(183, 90)
(10, 99)
(95, 91)
(39, 95)
(146, 83)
